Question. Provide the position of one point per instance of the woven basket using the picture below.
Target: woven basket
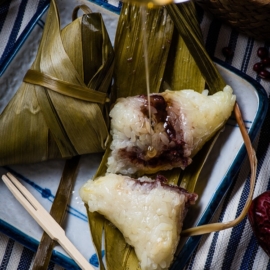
(250, 17)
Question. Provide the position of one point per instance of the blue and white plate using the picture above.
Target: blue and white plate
(42, 179)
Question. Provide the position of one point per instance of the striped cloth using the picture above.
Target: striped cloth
(16, 21)
(15, 256)
(234, 248)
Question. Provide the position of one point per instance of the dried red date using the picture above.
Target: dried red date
(262, 52)
(266, 62)
(259, 218)
(227, 52)
(264, 74)
(258, 67)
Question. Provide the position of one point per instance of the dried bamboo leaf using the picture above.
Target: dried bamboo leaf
(215, 82)
(131, 261)
(64, 88)
(130, 80)
(213, 227)
(102, 168)
(99, 73)
(74, 122)
(58, 212)
(189, 31)
(172, 175)
(97, 223)
(13, 122)
(75, 56)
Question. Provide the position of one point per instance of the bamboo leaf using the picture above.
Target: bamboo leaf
(116, 247)
(129, 74)
(131, 261)
(184, 18)
(181, 70)
(97, 75)
(172, 175)
(58, 212)
(188, 179)
(97, 223)
(102, 168)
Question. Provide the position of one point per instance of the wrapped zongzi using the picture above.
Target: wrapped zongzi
(60, 110)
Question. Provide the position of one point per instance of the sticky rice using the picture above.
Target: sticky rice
(181, 122)
(149, 213)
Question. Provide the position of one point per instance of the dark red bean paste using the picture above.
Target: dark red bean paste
(163, 181)
(169, 155)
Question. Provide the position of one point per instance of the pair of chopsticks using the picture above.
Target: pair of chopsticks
(44, 219)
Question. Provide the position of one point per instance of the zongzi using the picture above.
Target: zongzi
(180, 123)
(60, 110)
(149, 213)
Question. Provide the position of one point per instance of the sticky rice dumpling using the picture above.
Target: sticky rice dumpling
(181, 122)
(59, 111)
(149, 213)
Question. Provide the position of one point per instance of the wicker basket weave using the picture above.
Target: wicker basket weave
(251, 17)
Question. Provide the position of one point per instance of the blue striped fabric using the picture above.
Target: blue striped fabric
(16, 21)
(15, 256)
(234, 248)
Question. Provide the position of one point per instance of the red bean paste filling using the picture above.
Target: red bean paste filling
(163, 181)
(170, 155)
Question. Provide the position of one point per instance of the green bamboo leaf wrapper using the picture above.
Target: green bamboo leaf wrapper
(184, 18)
(97, 223)
(115, 245)
(116, 248)
(130, 79)
(188, 179)
(129, 73)
(54, 114)
(181, 70)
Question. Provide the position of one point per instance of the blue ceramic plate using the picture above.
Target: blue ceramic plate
(42, 179)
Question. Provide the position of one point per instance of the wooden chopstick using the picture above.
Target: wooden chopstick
(58, 210)
(44, 219)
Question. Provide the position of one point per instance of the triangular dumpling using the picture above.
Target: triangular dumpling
(149, 213)
(181, 123)
(42, 122)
